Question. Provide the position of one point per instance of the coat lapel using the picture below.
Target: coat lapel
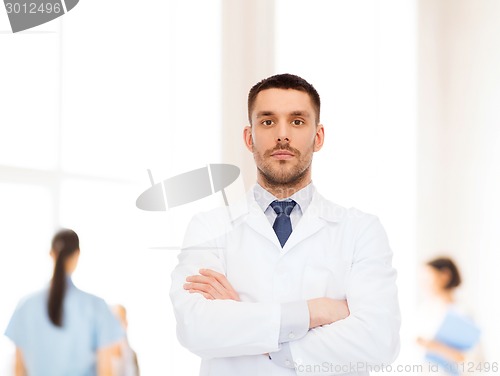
(317, 216)
(252, 215)
(258, 221)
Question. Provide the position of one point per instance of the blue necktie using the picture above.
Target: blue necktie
(282, 225)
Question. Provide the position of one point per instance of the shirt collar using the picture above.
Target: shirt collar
(302, 197)
(69, 282)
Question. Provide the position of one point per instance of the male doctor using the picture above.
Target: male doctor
(291, 283)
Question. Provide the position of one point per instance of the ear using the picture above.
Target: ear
(247, 137)
(319, 138)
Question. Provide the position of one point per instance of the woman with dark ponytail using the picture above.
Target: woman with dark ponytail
(65, 252)
(62, 330)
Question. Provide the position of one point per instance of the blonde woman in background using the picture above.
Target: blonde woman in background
(124, 357)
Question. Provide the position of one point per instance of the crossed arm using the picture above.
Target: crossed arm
(213, 285)
(212, 322)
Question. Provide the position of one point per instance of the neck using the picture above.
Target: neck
(446, 295)
(282, 191)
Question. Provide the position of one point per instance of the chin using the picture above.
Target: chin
(289, 178)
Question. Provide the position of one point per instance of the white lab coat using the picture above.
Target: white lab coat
(333, 252)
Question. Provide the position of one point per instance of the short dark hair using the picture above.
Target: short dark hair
(447, 264)
(284, 81)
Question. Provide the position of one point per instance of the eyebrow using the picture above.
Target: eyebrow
(264, 114)
(300, 113)
(293, 113)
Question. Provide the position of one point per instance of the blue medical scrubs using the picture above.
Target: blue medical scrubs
(70, 350)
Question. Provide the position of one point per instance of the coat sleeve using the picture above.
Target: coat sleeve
(217, 328)
(370, 335)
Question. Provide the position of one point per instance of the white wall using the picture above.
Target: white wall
(458, 147)
(248, 56)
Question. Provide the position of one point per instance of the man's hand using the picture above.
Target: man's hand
(211, 284)
(323, 311)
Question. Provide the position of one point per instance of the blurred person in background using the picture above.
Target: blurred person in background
(124, 357)
(440, 312)
(61, 330)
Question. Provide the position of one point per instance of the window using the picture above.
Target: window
(89, 102)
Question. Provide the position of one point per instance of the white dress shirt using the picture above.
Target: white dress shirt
(302, 198)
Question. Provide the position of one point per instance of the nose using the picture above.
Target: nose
(282, 132)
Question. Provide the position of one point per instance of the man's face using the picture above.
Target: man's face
(283, 136)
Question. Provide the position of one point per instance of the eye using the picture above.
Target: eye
(267, 122)
(298, 122)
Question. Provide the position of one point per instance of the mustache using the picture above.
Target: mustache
(286, 147)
